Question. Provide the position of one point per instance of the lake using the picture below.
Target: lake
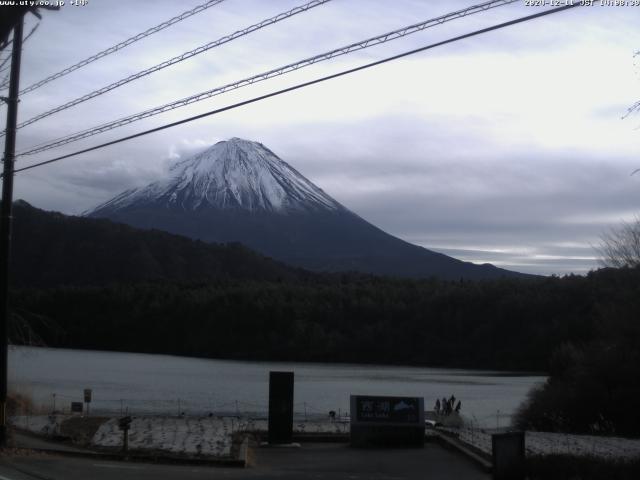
(139, 384)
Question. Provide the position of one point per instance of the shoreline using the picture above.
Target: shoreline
(303, 363)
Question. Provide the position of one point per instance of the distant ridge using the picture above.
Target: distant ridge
(240, 191)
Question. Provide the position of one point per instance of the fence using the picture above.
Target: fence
(175, 407)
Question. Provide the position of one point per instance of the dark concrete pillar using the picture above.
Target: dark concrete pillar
(280, 407)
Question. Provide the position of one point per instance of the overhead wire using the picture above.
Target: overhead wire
(377, 40)
(305, 84)
(33, 30)
(177, 59)
(3, 68)
(4, 62)
(121, 45)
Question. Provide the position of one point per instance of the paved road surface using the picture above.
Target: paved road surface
(26, 440)
(311, 461)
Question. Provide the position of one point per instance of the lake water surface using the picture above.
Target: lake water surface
(162, 384)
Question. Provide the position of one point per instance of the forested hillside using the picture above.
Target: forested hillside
(506, 324)
(52, 249)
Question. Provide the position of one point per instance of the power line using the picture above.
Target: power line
(267, 75)
(121, 45)
(33, 30)
(6, 60)
(386, 37)
(177, 59)
(302, 85)
(5, 81)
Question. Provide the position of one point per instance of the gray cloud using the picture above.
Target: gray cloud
(508, 148)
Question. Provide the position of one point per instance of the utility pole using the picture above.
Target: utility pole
(5, 219)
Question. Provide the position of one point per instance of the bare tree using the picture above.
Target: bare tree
(620, 246)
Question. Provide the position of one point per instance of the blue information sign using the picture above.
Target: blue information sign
(387, 421)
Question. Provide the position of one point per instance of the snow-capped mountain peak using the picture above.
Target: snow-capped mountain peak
(240, 191)
(231, 174)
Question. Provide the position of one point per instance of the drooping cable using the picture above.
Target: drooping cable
(3, 65)
(121, 45)
(304, 84)
(380, 39)
(177, 59)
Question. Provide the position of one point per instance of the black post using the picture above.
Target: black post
(125, 424)
(125, 440)
(5, 219)
(280, 407)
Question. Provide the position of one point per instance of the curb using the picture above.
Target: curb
(453, 443)
(137, 457)
(321, 437)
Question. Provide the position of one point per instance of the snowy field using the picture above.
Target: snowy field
(543, 443)
(45, 425)
(191, 436)
(207, 436)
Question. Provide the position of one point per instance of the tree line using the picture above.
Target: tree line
(511, 324)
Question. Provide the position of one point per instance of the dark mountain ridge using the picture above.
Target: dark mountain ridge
(51, 249)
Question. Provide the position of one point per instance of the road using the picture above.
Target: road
(310, 461)
(31, 441)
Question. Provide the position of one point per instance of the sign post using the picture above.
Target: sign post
(87, 398)
(125, 424)
(387, 421)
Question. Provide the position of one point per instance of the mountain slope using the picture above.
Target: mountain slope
(240, 191)
(237, 174)
(51, 249)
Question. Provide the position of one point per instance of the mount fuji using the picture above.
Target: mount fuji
(240, 191)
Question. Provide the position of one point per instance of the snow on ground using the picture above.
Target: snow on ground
(47, 425)
(316, 427)
(212, 436)
(321, 427)
(545, 443)
(208, 436)
(604, 447)
(186, 435)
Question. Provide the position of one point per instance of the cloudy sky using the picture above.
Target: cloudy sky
(506, 148)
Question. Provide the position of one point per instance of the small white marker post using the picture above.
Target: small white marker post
(87, 398)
